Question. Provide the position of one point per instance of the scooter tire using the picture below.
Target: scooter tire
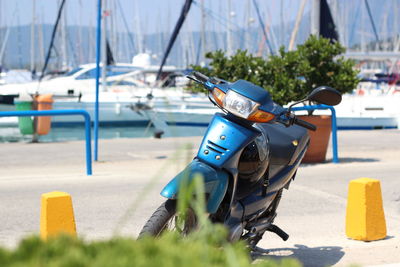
(160, 219)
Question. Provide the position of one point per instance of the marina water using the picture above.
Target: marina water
(63, 134)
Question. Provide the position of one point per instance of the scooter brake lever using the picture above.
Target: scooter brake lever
(215, 80)
(193, 79)
(286, 118)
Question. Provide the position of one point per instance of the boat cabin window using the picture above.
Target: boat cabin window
(72, 72)
(111, 71)
(121, 83)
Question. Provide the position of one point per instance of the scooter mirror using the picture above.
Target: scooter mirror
(325, 95)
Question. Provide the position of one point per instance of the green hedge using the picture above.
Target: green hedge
(289, 75)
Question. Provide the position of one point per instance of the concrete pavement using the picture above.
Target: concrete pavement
(124, 191)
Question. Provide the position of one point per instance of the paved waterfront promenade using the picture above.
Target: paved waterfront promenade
(123, 192)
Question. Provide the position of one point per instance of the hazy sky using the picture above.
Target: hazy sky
(155, 15)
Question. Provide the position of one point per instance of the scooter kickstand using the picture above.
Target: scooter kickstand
(275, 229)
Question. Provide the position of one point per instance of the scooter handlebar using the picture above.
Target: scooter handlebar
(200, 76)
(305, 124)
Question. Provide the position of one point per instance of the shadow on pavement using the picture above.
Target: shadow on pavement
(343, 160)
(308, 256)
(351, 160)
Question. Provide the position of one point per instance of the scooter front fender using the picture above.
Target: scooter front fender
(215, 181)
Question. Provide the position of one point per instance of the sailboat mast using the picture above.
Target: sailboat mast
(33, 25)
(64, 41)
(80, 42)
(19, 41)
(247, 26)
(203, 31)
(297, 25)
(190, 42)
(104, 44)
(40, 26)
(6, 36)
(91, 42)
(112, 27)
(53, 35)
(363, 45)
(395, 26)
(315, 17)
(159, 29)
(282, 22)
(139, 37)
(229, 31)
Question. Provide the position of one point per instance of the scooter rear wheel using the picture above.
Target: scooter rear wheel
(165, 219)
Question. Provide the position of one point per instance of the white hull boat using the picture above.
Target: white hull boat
(126, 102)
(177, 108)
(172, 106)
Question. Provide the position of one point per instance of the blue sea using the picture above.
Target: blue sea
(60, 134)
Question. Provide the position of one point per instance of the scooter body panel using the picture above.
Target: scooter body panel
(258, 201)
(215, 181)
(223, 140)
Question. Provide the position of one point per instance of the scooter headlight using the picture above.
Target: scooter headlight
(239, 105)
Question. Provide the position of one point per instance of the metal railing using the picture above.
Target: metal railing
(335, 158)
(64, 112)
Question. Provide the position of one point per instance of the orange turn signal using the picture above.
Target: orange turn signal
(218, 96)
(260, 116)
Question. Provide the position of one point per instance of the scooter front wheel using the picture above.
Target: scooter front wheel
(165, 218)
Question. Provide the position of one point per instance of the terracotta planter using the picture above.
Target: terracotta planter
(319, 139)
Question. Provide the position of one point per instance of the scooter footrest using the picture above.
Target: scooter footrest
(275, 229)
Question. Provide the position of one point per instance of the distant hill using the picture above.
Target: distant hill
(354, 27)
(81, 45)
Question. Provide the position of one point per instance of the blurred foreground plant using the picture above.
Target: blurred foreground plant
(170, 250)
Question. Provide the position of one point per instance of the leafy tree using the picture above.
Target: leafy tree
(289, 75)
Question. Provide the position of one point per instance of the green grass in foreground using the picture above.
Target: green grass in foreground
(170, 250)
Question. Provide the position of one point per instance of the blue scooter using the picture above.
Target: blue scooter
(248, 155)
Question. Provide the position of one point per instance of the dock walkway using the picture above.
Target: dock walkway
(124, 190)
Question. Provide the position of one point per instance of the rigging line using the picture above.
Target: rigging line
(71, 48)
(198, 52)
(353, 27)
(126, 24)
(53, 35)
(271, 29)
(224, 22)
(19, 41)
(178, 26)
(263, 27)
(7, 35)
(372, 20)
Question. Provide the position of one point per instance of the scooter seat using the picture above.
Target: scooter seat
(285, 143)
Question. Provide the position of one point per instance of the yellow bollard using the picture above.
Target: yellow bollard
(57, 215)
(365, 218)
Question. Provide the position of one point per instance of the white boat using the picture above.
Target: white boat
(174, 107)
(2, 77)
(14, 76)
(81, 81)
(379, 111)
(129, 100)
